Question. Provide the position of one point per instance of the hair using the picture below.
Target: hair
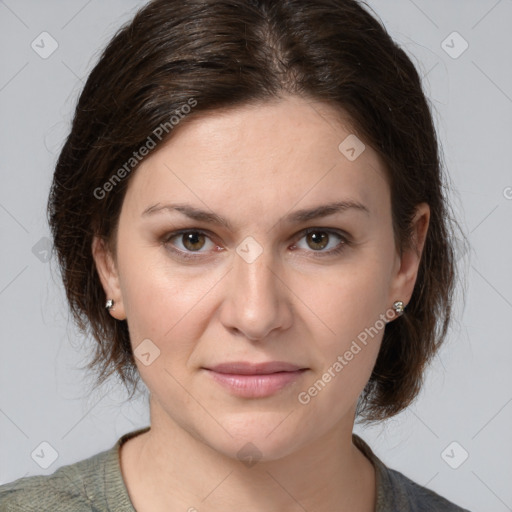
(219, 54)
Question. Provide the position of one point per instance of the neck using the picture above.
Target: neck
(169, 468)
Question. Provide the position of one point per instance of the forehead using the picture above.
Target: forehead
(285, 128)
(259, 157)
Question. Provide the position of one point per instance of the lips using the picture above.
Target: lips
(246, 368)
(255, 380)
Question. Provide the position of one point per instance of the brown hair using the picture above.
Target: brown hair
(224, 53)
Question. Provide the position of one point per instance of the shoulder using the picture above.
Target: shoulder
(76, 487)
(395, 491)
(94, 484)
(411, 496)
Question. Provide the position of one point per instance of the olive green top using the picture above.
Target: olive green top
(96, 484)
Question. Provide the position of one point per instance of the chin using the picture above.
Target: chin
(256, 437)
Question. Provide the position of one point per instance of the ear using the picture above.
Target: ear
(408, 263)
(109, 277)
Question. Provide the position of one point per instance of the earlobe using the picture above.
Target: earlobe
(109, 277)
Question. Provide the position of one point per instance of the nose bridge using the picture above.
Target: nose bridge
(256, 276)
(257, 302)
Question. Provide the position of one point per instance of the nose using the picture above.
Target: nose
(257, 300)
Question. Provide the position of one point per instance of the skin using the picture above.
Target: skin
(254, 165)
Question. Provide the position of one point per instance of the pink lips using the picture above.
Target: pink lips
(251, 380)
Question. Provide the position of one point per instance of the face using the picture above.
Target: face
(266, 274)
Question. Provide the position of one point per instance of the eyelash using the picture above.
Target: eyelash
(188, 255)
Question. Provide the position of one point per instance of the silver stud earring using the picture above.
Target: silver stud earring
(109, 304)
(398, 306)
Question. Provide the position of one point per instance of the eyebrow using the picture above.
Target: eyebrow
(297, 216)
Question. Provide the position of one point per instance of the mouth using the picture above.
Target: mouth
(250, 380)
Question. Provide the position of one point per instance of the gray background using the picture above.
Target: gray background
(467, 394)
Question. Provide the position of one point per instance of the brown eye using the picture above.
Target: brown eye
(317, 240)
(189, 243)
(193, 240)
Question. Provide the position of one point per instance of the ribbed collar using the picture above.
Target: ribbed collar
(116, 493)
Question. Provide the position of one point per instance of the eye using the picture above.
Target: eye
(318, 239)
(191, 241)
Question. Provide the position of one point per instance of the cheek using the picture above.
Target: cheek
(346, 358)
(348, 329)
(167, 310)
(347, 299)
(163, 302)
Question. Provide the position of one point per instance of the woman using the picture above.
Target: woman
(249, 214)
